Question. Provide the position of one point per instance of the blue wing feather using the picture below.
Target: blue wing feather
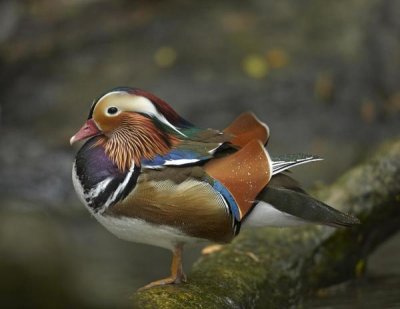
(197, 145)
(228, 198)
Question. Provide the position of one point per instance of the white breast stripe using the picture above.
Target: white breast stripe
(100, 187)
(116, 193)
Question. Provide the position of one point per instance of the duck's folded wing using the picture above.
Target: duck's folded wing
(199, 145)
(180, 198)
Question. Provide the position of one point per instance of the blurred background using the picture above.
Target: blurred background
(324, 75)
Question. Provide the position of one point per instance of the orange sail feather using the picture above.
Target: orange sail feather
(244, 174)
(247, 127)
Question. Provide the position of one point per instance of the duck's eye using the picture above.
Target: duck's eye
(112, 110)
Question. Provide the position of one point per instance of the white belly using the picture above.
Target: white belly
(137, 230)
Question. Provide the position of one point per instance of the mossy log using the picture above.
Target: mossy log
(274, 268)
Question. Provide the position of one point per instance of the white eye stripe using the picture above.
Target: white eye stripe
(135, 103)
(145, 106)
(129, 102)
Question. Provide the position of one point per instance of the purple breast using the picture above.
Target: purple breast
(93, 166)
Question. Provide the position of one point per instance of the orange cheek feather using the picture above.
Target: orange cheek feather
(133, 137)
(106, 123)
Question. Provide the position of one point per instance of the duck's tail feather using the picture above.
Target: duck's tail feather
(284, 162)
(290, 205)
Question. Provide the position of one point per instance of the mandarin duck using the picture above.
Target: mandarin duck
(150, 176)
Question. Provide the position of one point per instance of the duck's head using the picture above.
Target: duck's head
(132, 125)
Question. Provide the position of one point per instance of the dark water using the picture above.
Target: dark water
(379, 288)
(370, 292)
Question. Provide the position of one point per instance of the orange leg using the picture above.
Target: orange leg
(177, 274)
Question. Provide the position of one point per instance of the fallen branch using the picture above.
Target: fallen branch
(275, 267)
